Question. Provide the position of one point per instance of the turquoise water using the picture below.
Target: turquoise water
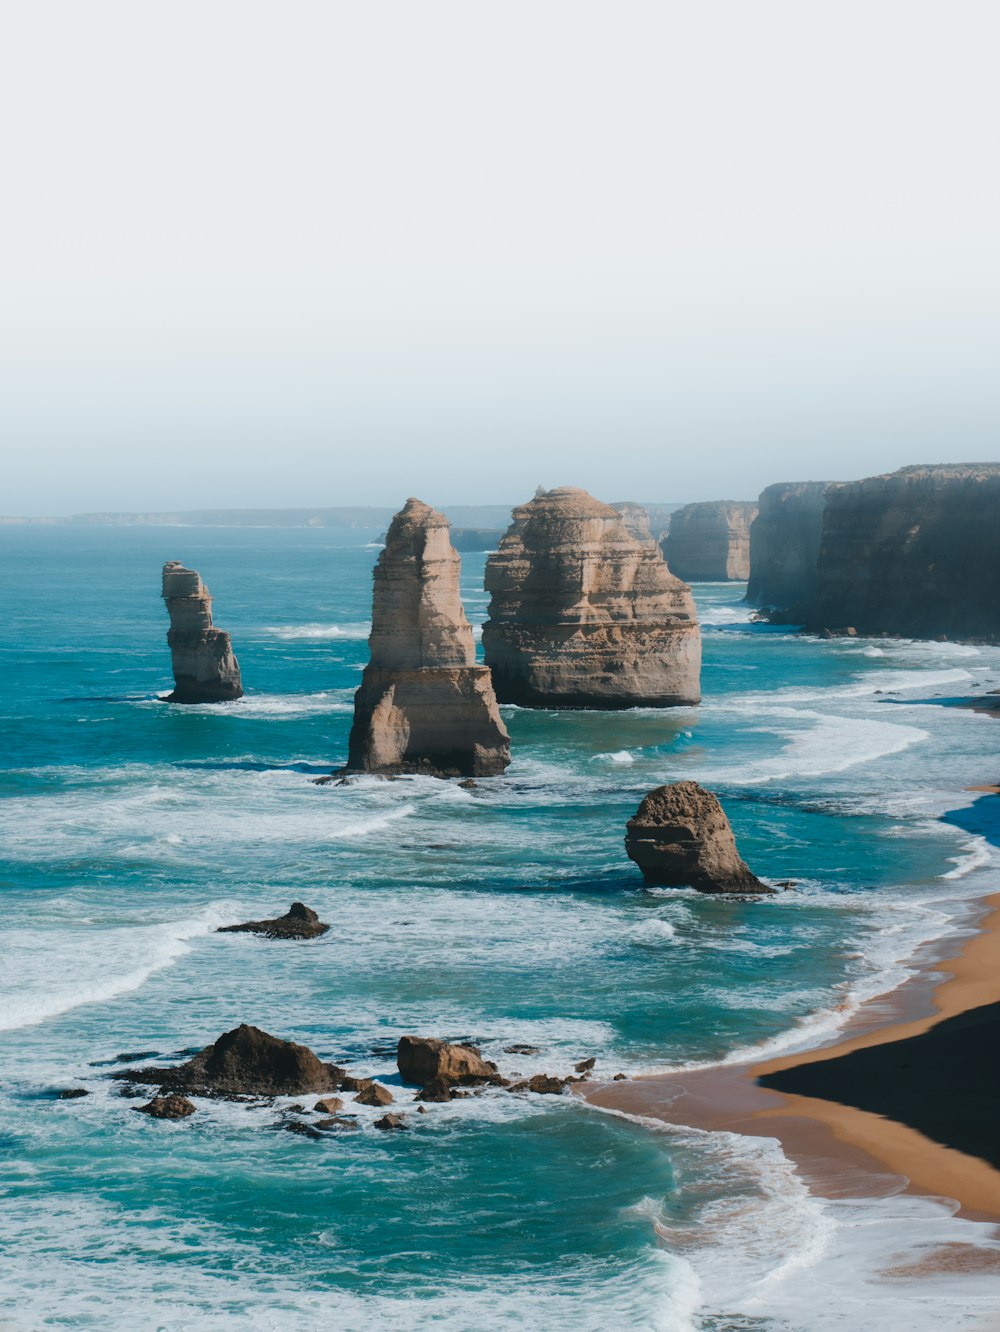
(509, 913)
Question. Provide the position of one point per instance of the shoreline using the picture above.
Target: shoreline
(838, 1149)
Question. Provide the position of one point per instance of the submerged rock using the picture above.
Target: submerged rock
(424, 704)
(167, 1107)
(299, 922)
(71, 1093)
(680, 837)
(205, 669)
(391, 1122)
(422, 1059)
(376, 1094)
(337, 1124)
(542, 1084)
(710, 542)
(246, 1062)
(785, 539)
(585, 613)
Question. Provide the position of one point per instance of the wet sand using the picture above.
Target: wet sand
(842, 1148)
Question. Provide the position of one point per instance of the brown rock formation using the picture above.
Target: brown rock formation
(680, 837)
(710, 542)
(424, 705)
(167, 1107)
(422, 1059)
(246, 1062)
(635, 519)
(376, 1094)
(584, 614)
(914, 552)
(299, 922)
(390, 1122)
(784, 544)
(205, 669)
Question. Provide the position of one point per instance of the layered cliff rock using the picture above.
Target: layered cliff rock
(424, 704)
(710, 542)
(586, 614)
(680, 838)
(205, 669)
(914, 552)
(784, 544)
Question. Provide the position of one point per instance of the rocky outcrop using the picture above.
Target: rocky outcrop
(710, 542)
(245, 1062)
(424, 704)
(914, 552)
(205, 669)
(167, 1107)
(584, 614)
(422, 1059)
(784, 544)
(680, 837)
(299, 922)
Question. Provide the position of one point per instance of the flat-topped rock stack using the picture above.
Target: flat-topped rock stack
(785, 539)
(205, 669)
(710, 542)
(585, 613)
(424, 704)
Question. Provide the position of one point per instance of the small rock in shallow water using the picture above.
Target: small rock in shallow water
(303, 1130)
(585, 1065)
(350, 1083)
(391, 1122)
(543, 1085)
(299, 922)
(337, 1124)
(375, 1095)
(167, 1107)
(521, 1049)
(71, 1093)
(329, 1105)
(438, 1089)
(619, 1077)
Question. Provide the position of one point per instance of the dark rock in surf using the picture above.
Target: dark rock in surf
(167, 1107)
(299, 922)
(422, 1059)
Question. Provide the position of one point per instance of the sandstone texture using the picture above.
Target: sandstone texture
(710, 542)
(585, 614)
(423, 1060)
(635, 519)
(246, 1062)
(299, 922)
(913, 553)
(784, 544)
(205, 669)
(424, 704)
(680, 837)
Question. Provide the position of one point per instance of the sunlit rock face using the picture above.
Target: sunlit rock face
(424, 704)
(205, 669)
(585, 613)
(710, 542)
(784, 544)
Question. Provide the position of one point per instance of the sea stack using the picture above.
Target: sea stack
(784, 544)
(205, 669)
(710, 542)
(585, 614)
(424, 704)
(914, 552)
(680, 838)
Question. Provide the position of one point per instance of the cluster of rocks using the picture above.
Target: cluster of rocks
(205, 669)
(298, 922)
(710, 542)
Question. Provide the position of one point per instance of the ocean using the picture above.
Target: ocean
(504, 914)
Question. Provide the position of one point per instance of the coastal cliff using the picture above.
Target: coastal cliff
(586, 614)
(784, 544)
(710, 542)
(205, 669)
(424, 704)
(913, 552)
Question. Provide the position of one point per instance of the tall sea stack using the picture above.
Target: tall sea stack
(914, 552)
(585, 614)
(205, 669)
(710, 542)
(424, 705)
(784, 544)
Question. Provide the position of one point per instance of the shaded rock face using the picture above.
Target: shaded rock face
(585, 614)
(784, 544)
(635, 518)
(167, 1107)
(299, 922)
(680, 837)
(710, 542)
(246, 1062)
(423, 1060)
(205, 669)
(424, 704)
(914, 552)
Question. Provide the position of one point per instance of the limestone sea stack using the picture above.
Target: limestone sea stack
(680, 838)
(205, 669)
(424, 704)
(585, 614)
(710, 542)
(914, 552)
(784, 544)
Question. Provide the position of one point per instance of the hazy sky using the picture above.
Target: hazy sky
(323, 253)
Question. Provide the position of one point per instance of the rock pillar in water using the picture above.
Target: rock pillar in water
(205, 670)
(710, 542)
(424, 704)
(585, 614)
(680, 838)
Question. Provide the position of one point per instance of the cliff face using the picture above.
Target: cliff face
(585, 614)
(205, 669)
(914, 552)
(424, 705)
(710, 542)
(784, 544)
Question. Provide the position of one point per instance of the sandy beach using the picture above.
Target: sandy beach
(844, 1146)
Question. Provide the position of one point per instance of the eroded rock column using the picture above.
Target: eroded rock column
(205, 669)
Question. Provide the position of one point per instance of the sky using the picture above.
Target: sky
(263, 254)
